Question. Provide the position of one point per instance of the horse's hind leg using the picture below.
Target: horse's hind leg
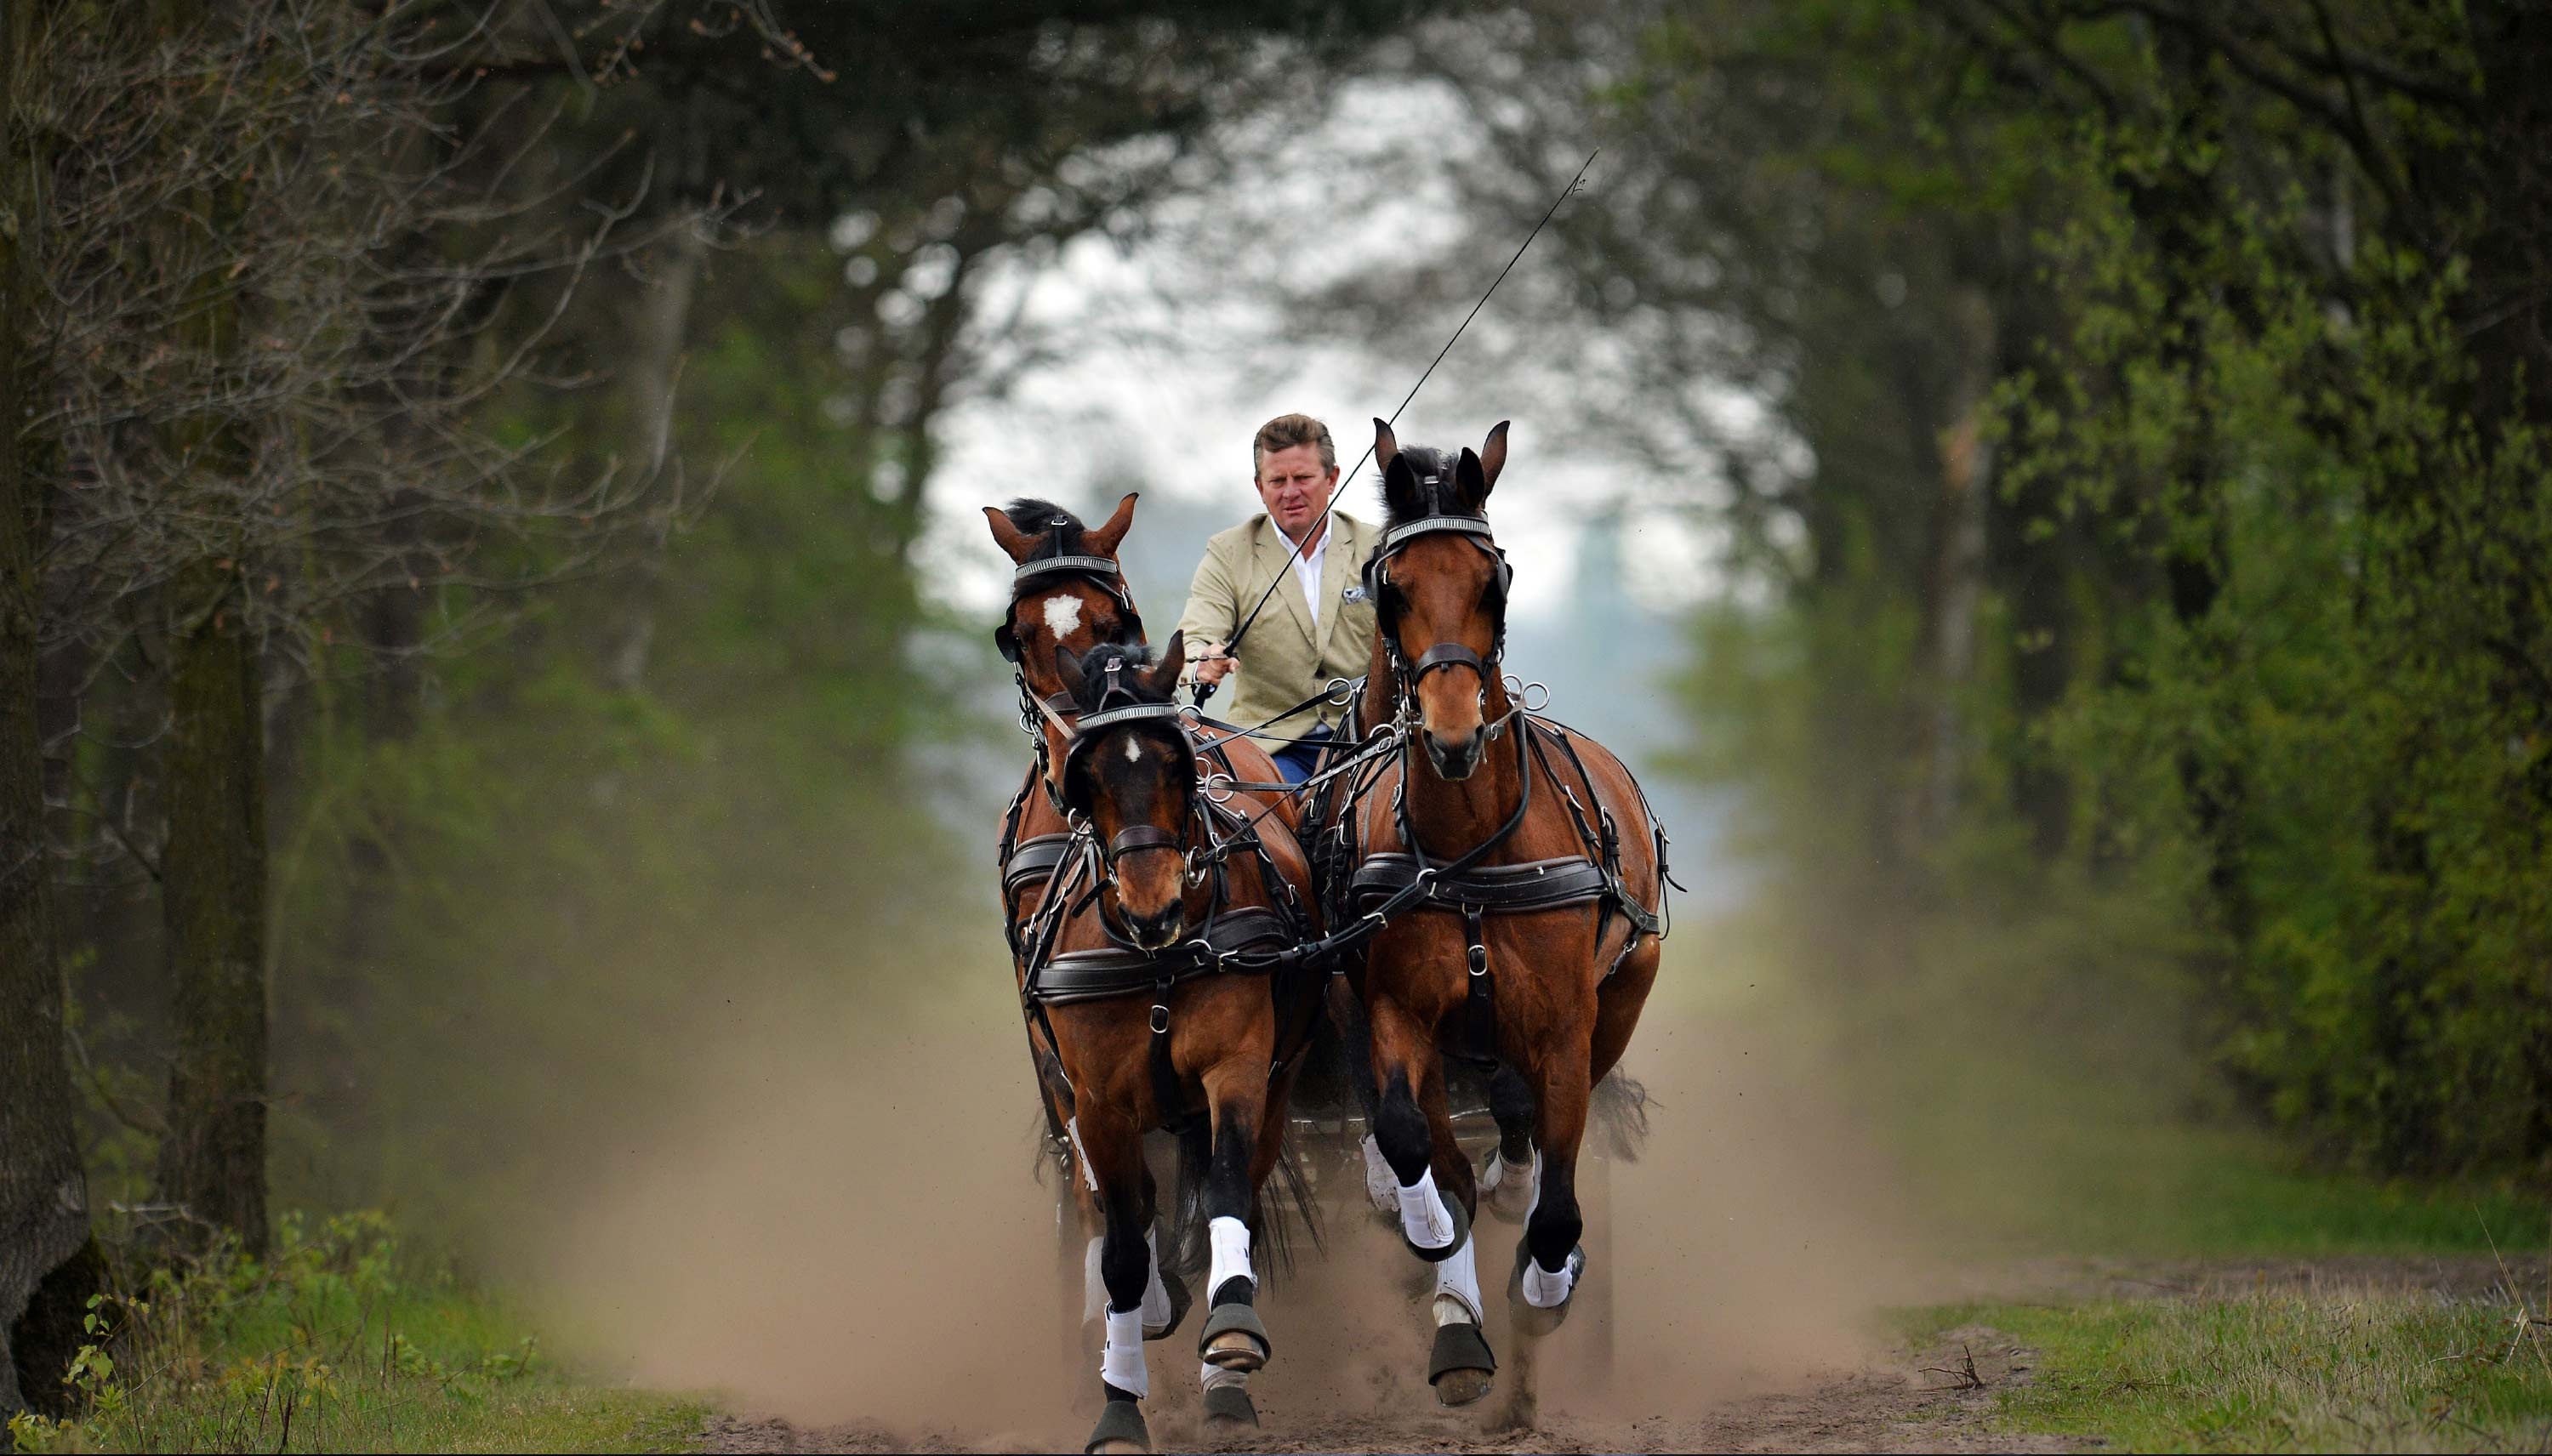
(1113, 1148)
(1234, 1342)
(1416, 1132)
(1507, 1180)
(1355, 1049)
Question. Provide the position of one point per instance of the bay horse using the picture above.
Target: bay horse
(1524, 875)
(1145, 919)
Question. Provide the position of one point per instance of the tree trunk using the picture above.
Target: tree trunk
(48, 1264)
(655, 372)
(213, 892)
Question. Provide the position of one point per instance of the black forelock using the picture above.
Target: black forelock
(1406, 497)
(1031, 516)
(1093, 672)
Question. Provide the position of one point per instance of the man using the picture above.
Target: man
(1316, 626)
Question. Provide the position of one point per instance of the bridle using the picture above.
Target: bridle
(1407, 673)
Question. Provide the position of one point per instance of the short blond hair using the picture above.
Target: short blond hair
(1284, 433)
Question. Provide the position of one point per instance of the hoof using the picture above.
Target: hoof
(1507, 1189)
(1180, 1298)
(1228, 1405)
(1463, 1367)
(1119, 1431)
(1461, 1234)
(1234, 1340)
(1533, 1319)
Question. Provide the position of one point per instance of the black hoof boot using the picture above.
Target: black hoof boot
(1234, 1340)
(1463, 1367)
(1461, 1234)
(1529, 1319)
(1228, 1405)
(1119, 1431)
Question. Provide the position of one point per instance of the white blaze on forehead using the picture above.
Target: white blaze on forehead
(1134, 750)
(1062, 614)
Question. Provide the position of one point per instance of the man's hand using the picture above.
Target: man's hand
(1212, 662)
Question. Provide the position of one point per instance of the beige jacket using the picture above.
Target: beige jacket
(1283, 659)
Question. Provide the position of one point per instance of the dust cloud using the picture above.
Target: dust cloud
(843, 1226)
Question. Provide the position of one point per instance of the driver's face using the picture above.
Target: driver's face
(1294, 486)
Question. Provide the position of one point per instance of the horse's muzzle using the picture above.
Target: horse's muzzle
(1455, 759)
(1158, 931)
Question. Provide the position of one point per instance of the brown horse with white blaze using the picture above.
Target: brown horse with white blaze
(1130, 900)
(1530, 871)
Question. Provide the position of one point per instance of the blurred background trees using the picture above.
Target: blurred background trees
(467, 606)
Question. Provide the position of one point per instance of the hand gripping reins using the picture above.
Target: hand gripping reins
(1204, 690)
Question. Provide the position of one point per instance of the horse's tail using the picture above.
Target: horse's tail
(1617, 1112)
(1284, 1206)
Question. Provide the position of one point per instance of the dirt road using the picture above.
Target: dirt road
(1909, 1400)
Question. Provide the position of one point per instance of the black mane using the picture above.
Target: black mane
(1405, 495)
(1031, 516)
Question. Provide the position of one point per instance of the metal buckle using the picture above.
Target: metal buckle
(1479, 959)
(1160, 1019)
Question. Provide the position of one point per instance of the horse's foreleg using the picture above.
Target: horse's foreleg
(1550, 1257)
(1234, 1342)
(1114, 1150)
(1415, 1133)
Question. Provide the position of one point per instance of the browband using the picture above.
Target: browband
(1470, 525)
(1093, 566)
(1131, 713)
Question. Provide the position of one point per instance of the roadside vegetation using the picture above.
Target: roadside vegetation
(336, 1342)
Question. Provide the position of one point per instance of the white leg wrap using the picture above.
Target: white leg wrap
(1457, 1287)
(1381, 1184)
(1121, 1363)
(1231, 1239)
(1211, 1376)
(1093, 1290)
(1156, 1294)
(1548, 1291)
(1422, 1216)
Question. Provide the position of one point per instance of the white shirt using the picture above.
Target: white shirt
(1306, 573)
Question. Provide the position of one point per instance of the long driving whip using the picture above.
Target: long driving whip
(1233, 648)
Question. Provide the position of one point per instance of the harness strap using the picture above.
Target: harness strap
(1479, 1005)
(1140, 837)
(1445, 655)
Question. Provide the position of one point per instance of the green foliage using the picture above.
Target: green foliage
(2263, 686)
(334, 1343)
(2332, 1368)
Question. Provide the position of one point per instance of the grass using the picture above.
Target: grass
(332, 1346)
(2335, 1369)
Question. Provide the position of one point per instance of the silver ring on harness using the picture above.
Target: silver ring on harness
(1160, 1019)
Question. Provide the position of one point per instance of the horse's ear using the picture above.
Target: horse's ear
(1493, 458)
(1470, 481)
(1385, 445)
(1009, 537)
(1103, 539)
(1400, 489)
(1164, 676)
(1068, 668)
